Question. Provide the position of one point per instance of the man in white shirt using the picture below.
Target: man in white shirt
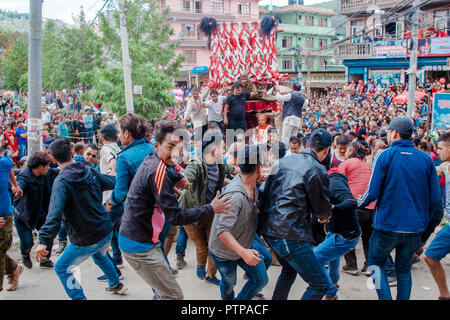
(46, 116)
(196, 112)
(292, 112)
(215, 109)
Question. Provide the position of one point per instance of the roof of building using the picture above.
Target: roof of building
(300, 9)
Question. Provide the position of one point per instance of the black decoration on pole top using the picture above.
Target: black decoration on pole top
(208, 26)
(266, 25)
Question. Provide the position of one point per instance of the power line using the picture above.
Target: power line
(98, 13)
(92, 6)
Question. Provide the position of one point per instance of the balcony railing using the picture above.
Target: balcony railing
(354, 50)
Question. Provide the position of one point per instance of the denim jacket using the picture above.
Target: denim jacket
(128, 162)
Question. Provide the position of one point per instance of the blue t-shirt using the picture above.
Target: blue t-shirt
(6, 165)
(20, 140)
(88, 121)
(64, 130)
(130, 246)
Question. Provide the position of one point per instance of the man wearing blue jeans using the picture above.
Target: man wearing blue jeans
(77, 199)
(343, 230)
(180, 249)
(21, 135)
(405, 184)
(296, 191)
(231, 241)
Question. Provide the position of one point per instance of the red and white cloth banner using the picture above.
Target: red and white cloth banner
(237, 48)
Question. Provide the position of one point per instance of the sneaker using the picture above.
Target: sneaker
(104, 278)
(61, 246)
(46, 264)
(213, 280)
(392, 281)
(117, 289)
(174, 271)
(364, 270)
(180, 262)
(13, 279)
(259, 296)
(27, 261)
(120, 266)
(201, 273)
(352, 271)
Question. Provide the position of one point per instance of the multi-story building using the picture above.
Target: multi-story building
(185, 16)
(306, 43)
(378, 46)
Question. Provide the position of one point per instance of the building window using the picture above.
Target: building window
(442, 20)
(322, 43)
(323, 22)
(287, 64)
(188, 30)
(217, 5)
(188, 5)
(191, 56)
(309, 43)
(322, 63)
(286, 42)
(244, 8)
(309, 21)
(356, 26)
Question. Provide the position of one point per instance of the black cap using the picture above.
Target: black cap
(403, 125)
(322, 137)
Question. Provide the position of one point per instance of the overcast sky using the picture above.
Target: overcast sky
(63, 9)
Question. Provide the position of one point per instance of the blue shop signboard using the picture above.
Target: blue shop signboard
(441, 111)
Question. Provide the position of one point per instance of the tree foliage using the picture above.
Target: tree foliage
(68, 53)
(154, 62)
(14, 66)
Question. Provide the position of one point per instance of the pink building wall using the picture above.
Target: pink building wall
(190, 12)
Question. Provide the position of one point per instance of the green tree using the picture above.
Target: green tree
(154, 62)
(68, 53)
(15, 66)
(53, 58)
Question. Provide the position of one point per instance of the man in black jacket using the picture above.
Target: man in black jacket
(30, 210)
(77, 200)
(343, 230)
(291, 196)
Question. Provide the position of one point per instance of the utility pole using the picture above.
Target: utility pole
(126, 60)
(35, 78)
(413, 60)
(308, 74)
(298, 63)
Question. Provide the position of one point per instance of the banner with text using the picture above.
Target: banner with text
(441, 111)
(390, 49)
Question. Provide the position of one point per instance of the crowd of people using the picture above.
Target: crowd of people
(299, 190)
(59, 120)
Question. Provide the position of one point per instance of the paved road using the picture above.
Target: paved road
(37, 284)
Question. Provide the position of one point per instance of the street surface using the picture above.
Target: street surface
(38, 284)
